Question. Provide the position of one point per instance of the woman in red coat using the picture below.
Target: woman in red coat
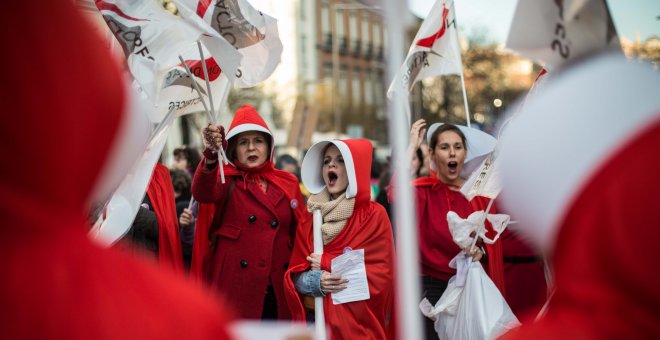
(438, 194)
(246, 228)
(337, 174)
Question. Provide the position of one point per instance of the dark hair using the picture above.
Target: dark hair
(231, 144)
(286, 159)
(190, 154)
(443, 128)
(420, 156)
(181, 182)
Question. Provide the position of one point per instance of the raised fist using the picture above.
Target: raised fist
(214, 137)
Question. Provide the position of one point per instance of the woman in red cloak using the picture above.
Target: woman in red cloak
(337, 174)
(246, 226)
(438, 194)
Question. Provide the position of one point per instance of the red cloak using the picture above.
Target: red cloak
(161, 195)
(368, 228)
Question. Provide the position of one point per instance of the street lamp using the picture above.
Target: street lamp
(334, 9)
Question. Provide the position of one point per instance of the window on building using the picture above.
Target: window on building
(356, 86)
(303, 53)
(339, 15)
(343, 82)
(368, 87)
(325, 18)
(302, 10)
(365, 31)
(327, 72)
(353, 26)
(376, 35)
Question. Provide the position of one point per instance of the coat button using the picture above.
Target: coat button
(252, 218)
(274, 223)
(244, 263)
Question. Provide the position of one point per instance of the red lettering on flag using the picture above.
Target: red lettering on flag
(430, 40)
(202, 6)
(212, 68)
(102, 5)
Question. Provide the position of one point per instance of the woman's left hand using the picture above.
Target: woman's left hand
(476, 254)
(315, 260)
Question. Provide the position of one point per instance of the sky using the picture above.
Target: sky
(493, 17)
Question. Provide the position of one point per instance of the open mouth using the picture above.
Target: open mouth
(452, 166)
(332, 178)
(252, 158)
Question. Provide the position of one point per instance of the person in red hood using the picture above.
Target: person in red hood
(246, 226)
(68, 122)
(438, 194)
(580, 166)
(337, 174)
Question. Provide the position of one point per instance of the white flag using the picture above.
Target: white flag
(555, 32)
(253, 33)
(434, 52)
(484, 181)
(152, 39)
(125, 202)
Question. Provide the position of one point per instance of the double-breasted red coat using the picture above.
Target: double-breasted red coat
(254, 241)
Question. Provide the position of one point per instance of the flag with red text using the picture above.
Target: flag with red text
(153, 39)
(434, 52)
(253, 33)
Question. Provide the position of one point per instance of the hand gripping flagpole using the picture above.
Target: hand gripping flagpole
(199, 92)
(221, 152)
(482, 225)
(319, 315)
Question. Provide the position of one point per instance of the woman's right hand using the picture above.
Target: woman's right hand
(214, 137)
(417, 131)
(332, 283)
(186, 217)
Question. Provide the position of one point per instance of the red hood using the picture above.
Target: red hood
(595, 217)
(56, 164)
(248, 119)
(357, 154)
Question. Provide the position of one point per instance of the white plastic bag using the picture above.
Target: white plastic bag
(475, 311)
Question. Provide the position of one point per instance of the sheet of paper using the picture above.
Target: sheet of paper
(350, 265)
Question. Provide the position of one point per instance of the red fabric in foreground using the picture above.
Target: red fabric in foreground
(161, 194)
(606, 275)
(67, 102)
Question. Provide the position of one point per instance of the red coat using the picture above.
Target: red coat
(368, 228)
(254, 240)
(437, 247)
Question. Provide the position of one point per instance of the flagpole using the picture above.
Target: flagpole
(481, 224)
(223, 156)
(407, 295)
(467, 110)
(206, 78)
(196, 87)
(319, 313)
(465, 102)
(199, 92)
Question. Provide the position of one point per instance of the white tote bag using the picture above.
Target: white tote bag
(471, 307)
